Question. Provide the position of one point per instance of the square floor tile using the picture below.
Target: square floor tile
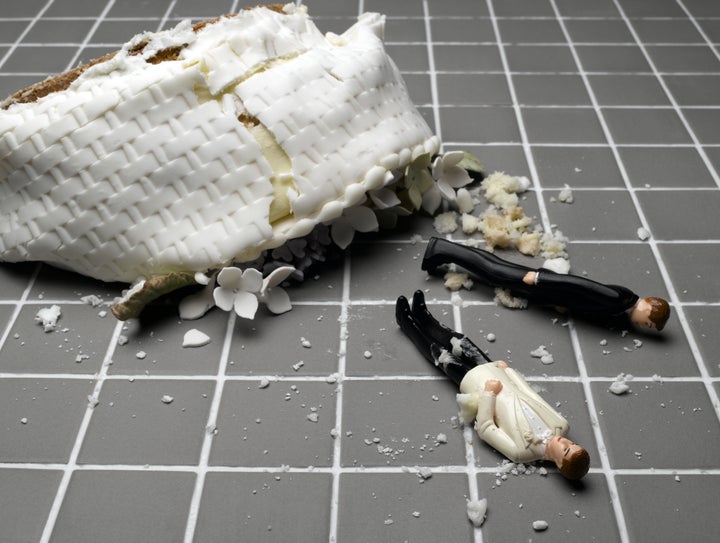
(78, 344)
(458, 8)
(466, 58)
(25, 502)
(692, 269)
(405, 30)
(628, 90)
(40, 418)
(657, 167)
(401, 8)
(686, 512)
(385, 271)
(666, 31)
(612, 58)
(550, 90)
(704, 321)
(206, 9)
(377, 346)
(148, 422)
(265, 507)
(704, 123)
(598, 31)
(645, 126)
(409, 58)
(702, 205)
(154, 346)
(539, 326)
(125, 507)
(545, 58)
(119, 31)
(523, 8)
(694, 90)
(636, 426)
(50, 32)
(595, 214)
(574, 510)
(463, 30)
(419, 88)
(686, 58)
(479, 124)
(306, 338)
(398, 423)
(43, 59)
(473, 89)
(562, 125)
(577, 167)
(401, 507)
(609, 353)
(517, 31)
(131, 8)
(651, 8)
(25, 9)
(587, 8)
(286, 423)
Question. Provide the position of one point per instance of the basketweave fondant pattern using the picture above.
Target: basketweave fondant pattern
(141, 168)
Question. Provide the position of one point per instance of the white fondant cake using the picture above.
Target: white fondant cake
(200, 146)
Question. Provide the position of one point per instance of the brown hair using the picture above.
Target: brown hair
(576, 465)
(659, 311)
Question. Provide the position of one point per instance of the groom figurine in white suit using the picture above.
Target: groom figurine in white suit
(509, 415)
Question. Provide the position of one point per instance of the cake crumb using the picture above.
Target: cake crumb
(540, 525)
(505, 298)
(446, 223)
(305, 343)
(566, 195)
(643, 234)
(167, 399)
(455, 281)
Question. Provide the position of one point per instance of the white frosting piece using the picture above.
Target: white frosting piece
(139, 168)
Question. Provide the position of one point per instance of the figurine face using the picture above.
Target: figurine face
(559, 447)
(640, 314)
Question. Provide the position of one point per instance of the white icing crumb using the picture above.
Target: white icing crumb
(505, 298)
(141, 355)
(122, 340)
(195, 338)
(566, 196)
(47, 317)
(643, 234)
(477, 511)
(298, 365)
(425, 473)
(441, 438)
(416, 514)
(312, 417)
(446, 223)
(367, 355)
(24, 420)
(92, 300)
(543, 354)
(167, 399)
(540, 525)
(558, 265)
(620, 386)
(305, 343)
(490, 337)
(264, 383)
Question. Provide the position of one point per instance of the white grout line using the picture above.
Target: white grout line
(98, 21)
(699, 29)
(202, 468)
(18, 305)
(339, 389)
(432, 71)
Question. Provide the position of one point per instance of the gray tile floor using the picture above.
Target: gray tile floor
(616, 98)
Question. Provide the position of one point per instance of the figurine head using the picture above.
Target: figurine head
(571, 459)
(651, 312)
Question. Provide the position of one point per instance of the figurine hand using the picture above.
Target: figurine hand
(493, 385)
(529, 278)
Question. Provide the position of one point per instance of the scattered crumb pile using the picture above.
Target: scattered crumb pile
(503, 224)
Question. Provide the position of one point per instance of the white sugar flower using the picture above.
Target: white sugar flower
(449, 174)
(274, 296)
(238, 289)
(359, 218)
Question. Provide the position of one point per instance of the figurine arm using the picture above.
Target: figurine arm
(488, 430)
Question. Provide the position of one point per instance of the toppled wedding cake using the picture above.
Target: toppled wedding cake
(208, 146)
